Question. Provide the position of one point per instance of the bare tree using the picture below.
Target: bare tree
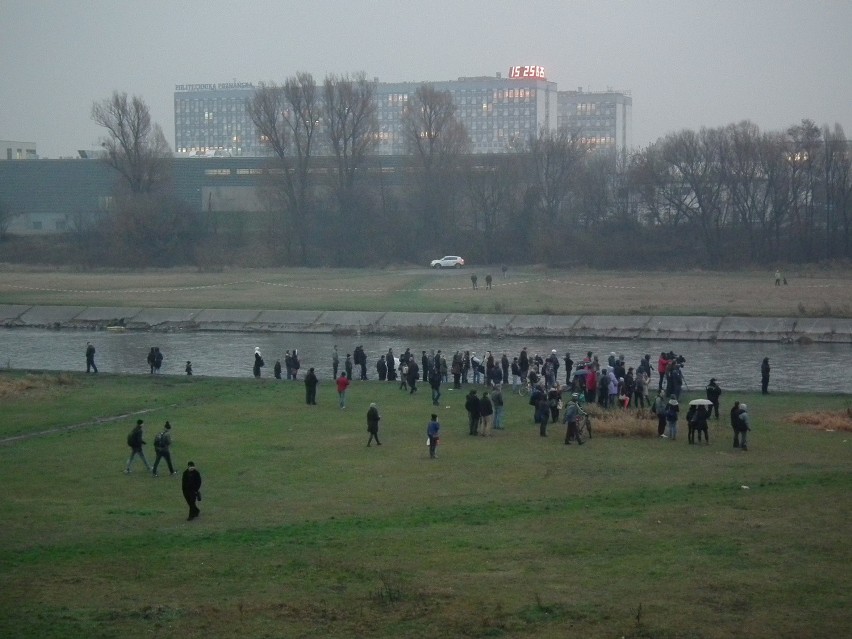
(286, 118)
(134, 146)
(437, 140)
(556, 159)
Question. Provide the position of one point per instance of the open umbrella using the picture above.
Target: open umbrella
(700, 402)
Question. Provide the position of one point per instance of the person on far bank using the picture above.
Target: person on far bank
(191, 488)
(488, 280)
(162, 446)
(342, 385)
(135, 441)
(311, 382)
(473, 279)
(90, 358)
(764, 376)
(713, 393)
(433, 430)
(373, 418)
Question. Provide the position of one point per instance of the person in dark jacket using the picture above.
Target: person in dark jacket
(162, 446)
(435, 383)
(158, 359)
(135, 441)
(413, 375)
(425, 366)
(382, 368)
(391, 365)
(277, 369)
(713, 393)
(735, 413)
(764, 376)
(486, 410)
(90, 358)
(373, 424)
(471, 405)
(191, 488)
(311, 382)
(433, 431)
(151, 359)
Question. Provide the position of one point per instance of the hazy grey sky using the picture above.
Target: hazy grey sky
(687, 63)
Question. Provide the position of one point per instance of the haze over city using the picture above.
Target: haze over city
(686, 64)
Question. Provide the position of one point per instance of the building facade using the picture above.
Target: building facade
(603, 120)
(14, 150)
(499, 113)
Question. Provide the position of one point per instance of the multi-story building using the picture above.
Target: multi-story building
(499, 113)
(13, 150)
(604, 119)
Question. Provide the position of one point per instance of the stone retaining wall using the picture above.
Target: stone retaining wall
(760, 329)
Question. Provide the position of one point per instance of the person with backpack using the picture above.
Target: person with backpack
(135, 441)
(672, 411)
(162, 446)
(191, 488)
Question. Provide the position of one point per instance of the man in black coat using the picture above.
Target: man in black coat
(713, 392)
(471, 405)
(311, 382)
(191, 488)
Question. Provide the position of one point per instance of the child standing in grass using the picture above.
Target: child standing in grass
(433, 429)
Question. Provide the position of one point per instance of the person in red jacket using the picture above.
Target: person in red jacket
(342, 385)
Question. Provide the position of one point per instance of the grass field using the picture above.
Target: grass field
(527, 290)
(306, 532)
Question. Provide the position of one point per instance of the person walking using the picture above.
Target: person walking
(433, 430)
(373, 418)
(311, 382)
(764, 376)
(191, 488)
(435, 383)
(488, 280)
(90, 358)
(162, 446)
(136, 442)
(342, 385)
(473, 279)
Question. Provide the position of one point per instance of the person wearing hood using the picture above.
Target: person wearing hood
(672, 410)
(258, 362)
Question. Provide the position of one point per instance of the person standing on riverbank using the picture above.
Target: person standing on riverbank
(90, 358)
(311, 382)
(335, 361)
(258, 362)
(713, 392)
(764, 376)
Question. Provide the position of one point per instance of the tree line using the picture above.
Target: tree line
(716, 198)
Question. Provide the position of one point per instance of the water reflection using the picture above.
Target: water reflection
(736, 365)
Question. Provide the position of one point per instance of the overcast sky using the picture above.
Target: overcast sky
(687, 63)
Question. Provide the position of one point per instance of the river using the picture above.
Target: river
(735, 365)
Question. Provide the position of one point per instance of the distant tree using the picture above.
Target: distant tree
(437, 141)
(287, 117)
(134, 146)
(352, 126)
(557, 158)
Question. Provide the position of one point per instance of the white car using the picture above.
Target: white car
(448, 261)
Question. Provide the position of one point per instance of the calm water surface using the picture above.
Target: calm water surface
(736, 365)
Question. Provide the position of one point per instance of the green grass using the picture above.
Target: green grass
(305, 532)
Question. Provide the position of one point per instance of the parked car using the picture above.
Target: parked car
(448, 261)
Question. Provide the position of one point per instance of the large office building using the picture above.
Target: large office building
(499, 112)
(13, 150)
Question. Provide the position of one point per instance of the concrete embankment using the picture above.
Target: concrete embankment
(760, 329)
